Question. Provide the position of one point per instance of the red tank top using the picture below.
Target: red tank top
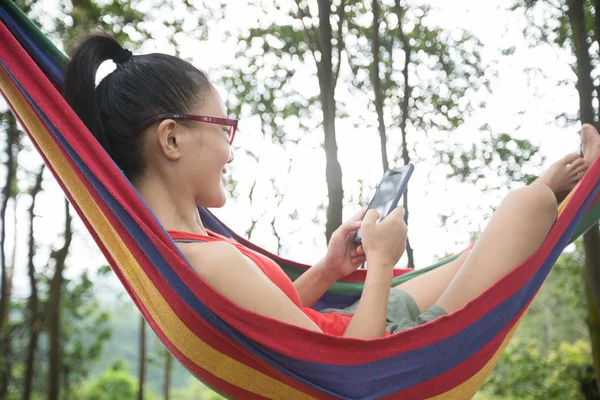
(331, 323)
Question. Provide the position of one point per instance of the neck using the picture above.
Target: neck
(174, 211)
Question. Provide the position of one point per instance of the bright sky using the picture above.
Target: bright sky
(517, 105)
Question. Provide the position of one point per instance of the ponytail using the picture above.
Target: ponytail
(141, 87)
(80, 80)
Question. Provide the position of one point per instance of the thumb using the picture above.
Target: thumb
(371, 217)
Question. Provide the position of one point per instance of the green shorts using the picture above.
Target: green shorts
(402, 313)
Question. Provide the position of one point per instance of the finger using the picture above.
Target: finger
(358, 260)
(398, 212)
(350, 226)
(370, 217)
(358, 216)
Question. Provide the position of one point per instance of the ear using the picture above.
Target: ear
(169, 139)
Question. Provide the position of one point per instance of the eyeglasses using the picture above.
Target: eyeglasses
(231, 124)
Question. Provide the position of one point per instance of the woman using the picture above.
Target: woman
(163, 123)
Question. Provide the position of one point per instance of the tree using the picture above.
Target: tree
(54, 310)
(301, 36)
(114, 384)
(167, 375)
(142, 359)
(33, 312)
(416, 105)
(8, 192)
(571, 27)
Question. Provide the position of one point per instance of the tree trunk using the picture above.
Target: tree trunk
(167, 374)
(379, 96)
(591, 239)
(54, 315)
(404, 114)
(327, 78)
(33, 313)
(12, 135)
(142, 359)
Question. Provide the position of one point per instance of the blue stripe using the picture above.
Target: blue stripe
(371, 380)
(39, 55)
(335, 300)
(150, 250)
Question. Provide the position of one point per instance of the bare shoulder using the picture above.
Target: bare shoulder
(210, 257)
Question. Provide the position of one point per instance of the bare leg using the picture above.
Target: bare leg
(426, 289)
(516, 230)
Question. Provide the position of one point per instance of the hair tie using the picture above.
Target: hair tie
(122, 56)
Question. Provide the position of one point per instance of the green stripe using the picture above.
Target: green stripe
(589, 219)
(355, 288)
(35, 32)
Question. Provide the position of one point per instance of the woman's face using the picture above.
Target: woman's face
(206, 166)
(194, 155)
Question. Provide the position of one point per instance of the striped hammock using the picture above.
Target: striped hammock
(240, 354)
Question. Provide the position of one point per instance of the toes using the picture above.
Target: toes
(570, 158)
(579, 162)
(589, 134)
(581, 171)
(588, 129)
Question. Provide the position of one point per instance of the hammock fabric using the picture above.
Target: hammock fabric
(238, 353)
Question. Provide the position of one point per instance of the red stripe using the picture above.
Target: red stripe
(196, 324)
(459, 374)
(307, 345)
(357, 276)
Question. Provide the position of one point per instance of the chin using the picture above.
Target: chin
(220, 200)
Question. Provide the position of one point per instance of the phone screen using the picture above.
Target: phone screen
(388, 193)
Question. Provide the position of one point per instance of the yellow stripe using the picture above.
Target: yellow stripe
(563, 204)
(183, 339)
(467, 389)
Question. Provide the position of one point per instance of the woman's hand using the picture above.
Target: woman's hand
(343, 256)
(384, 242)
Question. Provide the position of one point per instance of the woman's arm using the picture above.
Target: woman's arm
(343, 257)
(236, 277)
(314, 282)
(369, 320)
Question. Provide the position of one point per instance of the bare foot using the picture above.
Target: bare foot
(590, 143)
(563, 175)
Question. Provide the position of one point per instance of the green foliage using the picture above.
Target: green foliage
(524, 373)
(443, 68)
(494, 155)
(85, 328)
(196, 391)
(550, 355)
(114, 384)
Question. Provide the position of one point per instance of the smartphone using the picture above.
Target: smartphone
(388, 193)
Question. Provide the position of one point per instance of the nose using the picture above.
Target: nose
(231, 156)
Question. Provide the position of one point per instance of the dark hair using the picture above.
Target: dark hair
(141, 87)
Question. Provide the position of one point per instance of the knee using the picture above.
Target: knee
(535, 199)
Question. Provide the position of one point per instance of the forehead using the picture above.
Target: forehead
(212, 105)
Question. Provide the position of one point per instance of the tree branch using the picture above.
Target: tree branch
(307, 31)
(340, 39)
